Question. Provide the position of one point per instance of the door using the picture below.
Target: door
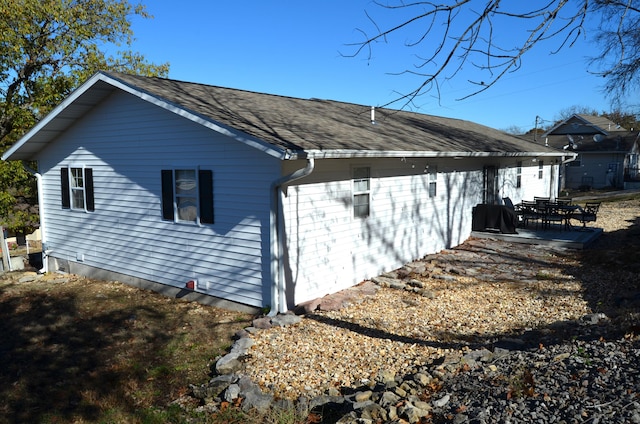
(491, 192)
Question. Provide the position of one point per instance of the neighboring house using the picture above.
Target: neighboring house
(607, 153)
(259, 199)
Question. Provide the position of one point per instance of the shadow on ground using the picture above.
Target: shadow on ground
(87, 351)
(52, 358)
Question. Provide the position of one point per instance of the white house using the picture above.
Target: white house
(258, 199)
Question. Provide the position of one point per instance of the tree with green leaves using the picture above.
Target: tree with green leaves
(47, 49)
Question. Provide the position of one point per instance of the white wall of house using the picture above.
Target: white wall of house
(534, 181)
(329, 249)
(127, 142)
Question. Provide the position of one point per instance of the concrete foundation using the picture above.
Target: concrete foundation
(69, 267)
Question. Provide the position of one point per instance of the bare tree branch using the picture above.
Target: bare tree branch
(447, 36)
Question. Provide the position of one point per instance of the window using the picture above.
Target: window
(361, 191)
(540, 169)
(577, 162)
(77, 188)
(187, 195)
(519, 174)
(433, 181)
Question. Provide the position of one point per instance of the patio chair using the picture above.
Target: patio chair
(508, 203)
(587, 214)
(529, 212)
(553, 215)
(515, 208)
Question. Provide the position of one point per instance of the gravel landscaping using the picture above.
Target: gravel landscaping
(487, 332)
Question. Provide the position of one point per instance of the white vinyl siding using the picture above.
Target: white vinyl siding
(330, 251)
(127, 142)
(527, 174)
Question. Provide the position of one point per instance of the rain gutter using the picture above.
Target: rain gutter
(43, 233)
(278, 295)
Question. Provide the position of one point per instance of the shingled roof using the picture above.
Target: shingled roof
(619, 141)
(297, 127)
(585, 124)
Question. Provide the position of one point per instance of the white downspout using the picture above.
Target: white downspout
(276, 236)
(43, 233)
(563, 164)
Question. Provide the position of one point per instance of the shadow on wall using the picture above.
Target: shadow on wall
(409, 226)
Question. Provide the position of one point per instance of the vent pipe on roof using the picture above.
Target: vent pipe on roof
(373, 115)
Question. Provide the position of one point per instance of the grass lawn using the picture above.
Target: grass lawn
(75, 350)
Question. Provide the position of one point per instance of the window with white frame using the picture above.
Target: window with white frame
(433, 182)
(361, 191)
(540, 169)
(187, 195)
(76, 185)
(519, 174)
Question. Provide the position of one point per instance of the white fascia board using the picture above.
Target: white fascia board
(86, 86)
(345, 154)
(52, 115)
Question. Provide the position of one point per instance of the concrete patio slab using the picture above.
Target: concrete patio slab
(576, 238)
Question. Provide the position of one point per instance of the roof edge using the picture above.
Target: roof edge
(346, 154)
(148, 97)
(75, 94)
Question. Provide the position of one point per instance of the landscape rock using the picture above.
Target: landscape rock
(242, 345)
(262, 323)
(28, 278)
(285, 319)
(232, 393)
(229, 364)
(412, 413)
(442, 401)
(220, 383)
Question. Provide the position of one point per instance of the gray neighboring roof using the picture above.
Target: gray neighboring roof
(291, 126)
(619, 141)
(585, 124)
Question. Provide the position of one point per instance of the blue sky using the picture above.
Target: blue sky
(296, 48)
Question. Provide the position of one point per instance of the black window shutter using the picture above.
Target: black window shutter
(64, 184)
(167, 194)
(205, 179)
(88, 189)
